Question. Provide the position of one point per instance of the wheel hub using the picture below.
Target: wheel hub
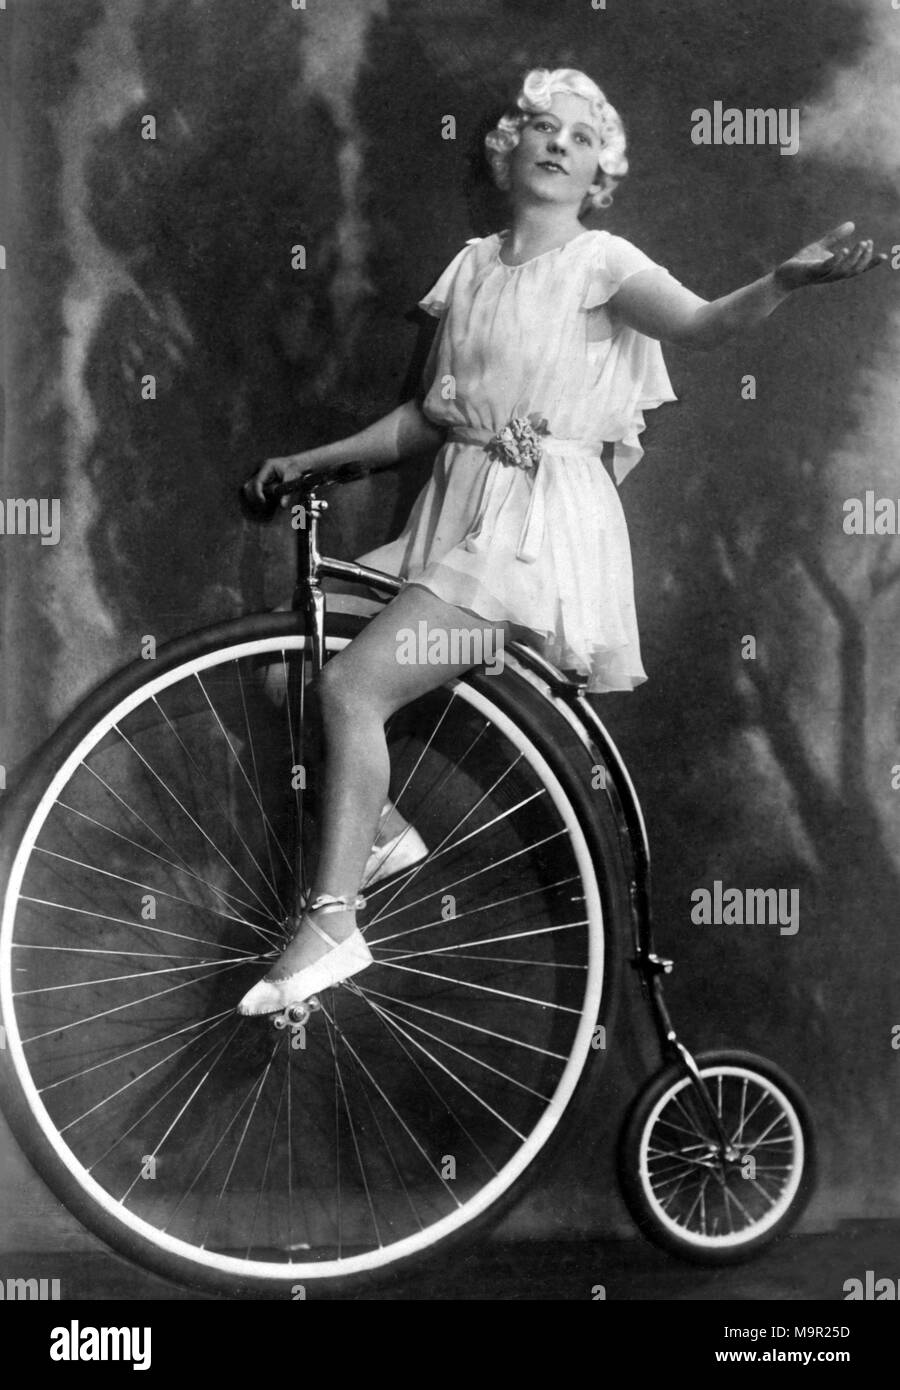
(296, 1016)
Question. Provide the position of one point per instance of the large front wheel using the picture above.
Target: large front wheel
(150, 866)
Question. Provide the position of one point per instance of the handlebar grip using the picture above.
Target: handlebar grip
(253, 509)
(305, 484)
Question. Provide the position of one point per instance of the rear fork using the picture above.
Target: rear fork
(651, 966)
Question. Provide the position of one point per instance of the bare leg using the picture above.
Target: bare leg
(358, 691)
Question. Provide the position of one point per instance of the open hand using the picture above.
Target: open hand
(835, 256)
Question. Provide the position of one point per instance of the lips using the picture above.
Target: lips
(551, 165)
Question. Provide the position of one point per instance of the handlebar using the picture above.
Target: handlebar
(305, 484)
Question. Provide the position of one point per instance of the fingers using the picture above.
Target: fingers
(838, 234)
(277, 470)
(251, 490)
(851, 263)
(854, 260)
(834, 268)
(256, 484)
(816, 265)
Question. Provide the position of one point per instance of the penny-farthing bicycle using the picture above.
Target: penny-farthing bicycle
(154, 861)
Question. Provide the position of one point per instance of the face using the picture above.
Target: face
(556, 159)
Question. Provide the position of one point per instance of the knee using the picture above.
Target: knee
(341, 696)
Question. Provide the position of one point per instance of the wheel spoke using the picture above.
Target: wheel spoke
(457, 1022)
(486, 989)
(175, 860)
(489, 941)
(118, 1008)
(469, 1056)
(397, 1035)
(120, 1138)
(217, 802)
(133, 1051)
(232, 868)
(345, 1105)
(143, 927)
(493, 867)
(394, 1111)
(492, 906)
(169, 863)
(141, 1076)
(445, 848)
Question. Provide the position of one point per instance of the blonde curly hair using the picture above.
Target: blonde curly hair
(535, 96)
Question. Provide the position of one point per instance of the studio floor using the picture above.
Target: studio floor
(804, 1267)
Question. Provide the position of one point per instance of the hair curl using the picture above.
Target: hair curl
(535, 96)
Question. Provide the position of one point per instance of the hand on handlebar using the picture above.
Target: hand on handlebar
(276, 470)
(256, 494)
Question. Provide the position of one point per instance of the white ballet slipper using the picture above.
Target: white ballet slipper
(401, 852)
(343, 960)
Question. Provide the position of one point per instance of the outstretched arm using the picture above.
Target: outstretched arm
(651, 302)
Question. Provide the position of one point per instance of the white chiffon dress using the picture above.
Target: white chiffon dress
(545, 548)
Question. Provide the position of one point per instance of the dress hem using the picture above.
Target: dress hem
(546, 641)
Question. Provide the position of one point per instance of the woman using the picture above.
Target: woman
(548, 347)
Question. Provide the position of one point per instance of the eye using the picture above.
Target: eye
(585, 140)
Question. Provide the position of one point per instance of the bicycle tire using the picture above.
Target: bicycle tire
(592, 824)
(664, 1170)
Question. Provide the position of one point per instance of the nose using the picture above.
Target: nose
(557, 141)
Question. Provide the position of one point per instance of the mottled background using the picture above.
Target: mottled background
(323, 127)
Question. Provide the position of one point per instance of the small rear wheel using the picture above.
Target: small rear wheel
(700, 1199)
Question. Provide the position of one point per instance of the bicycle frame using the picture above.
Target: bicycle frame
(566, 693)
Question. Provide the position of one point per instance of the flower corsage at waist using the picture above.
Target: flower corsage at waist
(518, 444)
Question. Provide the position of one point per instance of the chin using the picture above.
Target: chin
(544, 189)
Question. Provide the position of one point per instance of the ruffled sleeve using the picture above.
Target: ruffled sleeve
(438, 297)
(635, 378)
(648, 386)
(615, 262)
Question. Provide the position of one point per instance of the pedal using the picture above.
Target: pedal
(297, 1015)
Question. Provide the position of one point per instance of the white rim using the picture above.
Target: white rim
(409, 1245)
(779, 1208)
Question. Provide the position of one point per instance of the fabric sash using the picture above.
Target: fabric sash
(531, 537)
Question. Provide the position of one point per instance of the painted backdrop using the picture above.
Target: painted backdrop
(323, 125)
